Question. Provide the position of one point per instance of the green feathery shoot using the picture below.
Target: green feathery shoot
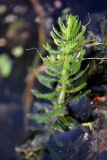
(63, 67)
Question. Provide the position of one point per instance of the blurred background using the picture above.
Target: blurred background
(24, 26)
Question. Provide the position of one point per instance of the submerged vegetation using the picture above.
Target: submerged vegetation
(65, 73)
(62, 74)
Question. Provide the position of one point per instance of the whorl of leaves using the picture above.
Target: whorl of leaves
(63, 66)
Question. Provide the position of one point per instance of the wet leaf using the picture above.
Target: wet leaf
(5, 66)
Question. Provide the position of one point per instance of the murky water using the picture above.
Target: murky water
(11, 129)
(11, 118)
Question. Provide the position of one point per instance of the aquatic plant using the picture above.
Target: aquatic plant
(62, 75)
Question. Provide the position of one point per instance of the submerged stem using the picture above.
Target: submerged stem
(63, 80)
(61, 99)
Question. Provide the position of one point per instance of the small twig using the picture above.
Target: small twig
(88, 20)
(95, 58)
(29, 49)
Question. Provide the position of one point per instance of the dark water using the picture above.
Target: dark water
(11, 118)
(11, 130)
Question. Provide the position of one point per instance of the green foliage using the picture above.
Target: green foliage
(63, 67)
(47, 96)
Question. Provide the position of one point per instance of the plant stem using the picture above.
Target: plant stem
(61, 99)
